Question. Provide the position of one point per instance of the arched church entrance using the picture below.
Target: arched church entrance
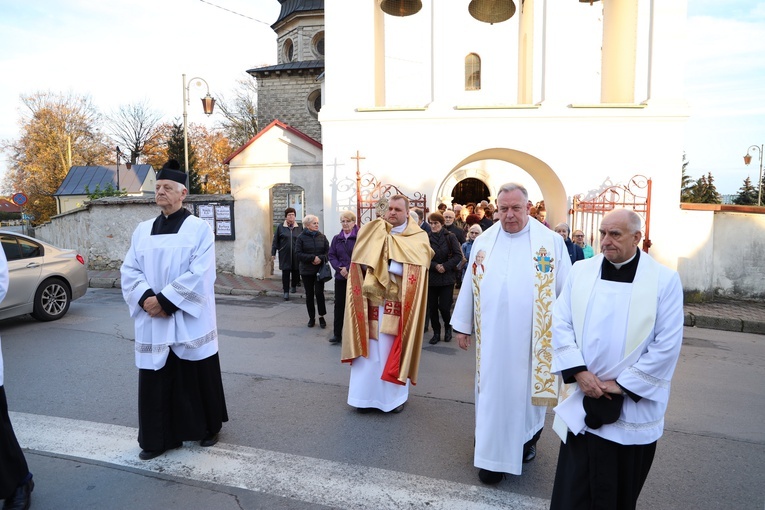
(480, 169)
(470, 190)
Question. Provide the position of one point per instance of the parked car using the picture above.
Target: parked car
(44, 279)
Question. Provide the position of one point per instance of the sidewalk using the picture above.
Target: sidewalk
(722, 314)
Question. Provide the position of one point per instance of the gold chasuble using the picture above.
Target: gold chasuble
(404, 298)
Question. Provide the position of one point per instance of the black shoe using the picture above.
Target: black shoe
(322, 323)
(150, 454)
(209, 440)
(448, 334)
(286, 296)
(398, 409)
(21, 497)
(311, 323)
(293, 289)
(363, 410)
(436, 338)
(334, 340)
(529, 453)
(490, 477)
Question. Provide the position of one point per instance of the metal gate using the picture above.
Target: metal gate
(586, 215)
(372, 196)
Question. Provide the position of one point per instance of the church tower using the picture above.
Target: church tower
(291, 90)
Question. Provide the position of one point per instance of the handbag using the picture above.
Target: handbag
(325, 273)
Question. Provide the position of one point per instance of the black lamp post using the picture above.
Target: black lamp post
(208, 104)
(747, 160)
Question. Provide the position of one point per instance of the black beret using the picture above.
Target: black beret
(602, 411)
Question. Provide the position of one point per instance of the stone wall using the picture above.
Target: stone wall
(284, 97)
(721, 252)
(101, 230)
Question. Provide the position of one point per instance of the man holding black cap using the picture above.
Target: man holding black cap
(168, 283)
(16, 482)
(617, 331)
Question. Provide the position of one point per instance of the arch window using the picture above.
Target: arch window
(318, 44)
(314, 102)
(288, 50)
(472, 72)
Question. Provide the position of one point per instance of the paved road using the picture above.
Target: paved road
(292, 442)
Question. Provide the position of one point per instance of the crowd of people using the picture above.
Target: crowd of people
(596, 338)
(540, 307)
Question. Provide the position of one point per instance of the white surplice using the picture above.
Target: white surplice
(505, 416)
(3, 290)
(628, 332)
(182, 267)
(366, 389)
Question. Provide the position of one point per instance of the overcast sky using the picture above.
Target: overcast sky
(122, 52)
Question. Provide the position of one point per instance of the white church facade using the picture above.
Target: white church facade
(570, 97)
(565, 97)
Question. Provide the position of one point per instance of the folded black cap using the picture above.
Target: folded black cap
(602, 411)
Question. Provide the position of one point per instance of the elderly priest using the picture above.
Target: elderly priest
(167, 282)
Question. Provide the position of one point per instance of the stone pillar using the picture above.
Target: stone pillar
(619, 51)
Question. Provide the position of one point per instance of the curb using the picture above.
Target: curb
(724, 324)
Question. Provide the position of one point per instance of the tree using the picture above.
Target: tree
(686, 183)
(747, 194)
(133, 126)
(704, 191)
(212, 148)
(57, 131)
(240, 114)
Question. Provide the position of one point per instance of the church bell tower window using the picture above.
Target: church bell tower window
(288, 50)
(472, 72)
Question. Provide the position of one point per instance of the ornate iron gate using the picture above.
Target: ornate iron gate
(372, 196)
(635, 195)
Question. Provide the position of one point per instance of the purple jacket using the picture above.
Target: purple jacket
(340, 251)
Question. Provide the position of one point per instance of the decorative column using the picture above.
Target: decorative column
(619, 51)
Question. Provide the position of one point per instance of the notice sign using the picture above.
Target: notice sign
(220, 217)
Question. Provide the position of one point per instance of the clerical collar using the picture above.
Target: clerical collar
(170, 224)
(623, 272)
(520, 232)
(399, 229)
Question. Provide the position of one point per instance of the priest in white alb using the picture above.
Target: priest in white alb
(168, 281)
(617, 332)
(519, 267)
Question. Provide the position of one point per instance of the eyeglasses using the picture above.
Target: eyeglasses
(346, 221)
(578, 235)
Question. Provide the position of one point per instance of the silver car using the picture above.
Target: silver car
(43, 279)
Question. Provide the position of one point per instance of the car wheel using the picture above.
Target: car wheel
(51, 300)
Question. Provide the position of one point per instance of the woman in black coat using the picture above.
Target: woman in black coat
(311, 250)
(442, 276)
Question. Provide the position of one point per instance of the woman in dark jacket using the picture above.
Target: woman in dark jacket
(285, 237)
(442, 276)
(340, 251)
(311, 251)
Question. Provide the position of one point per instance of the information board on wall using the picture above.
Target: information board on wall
(220, 217)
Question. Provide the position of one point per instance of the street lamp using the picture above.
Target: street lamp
(747, 160)
(208, 103)
(120, 155)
